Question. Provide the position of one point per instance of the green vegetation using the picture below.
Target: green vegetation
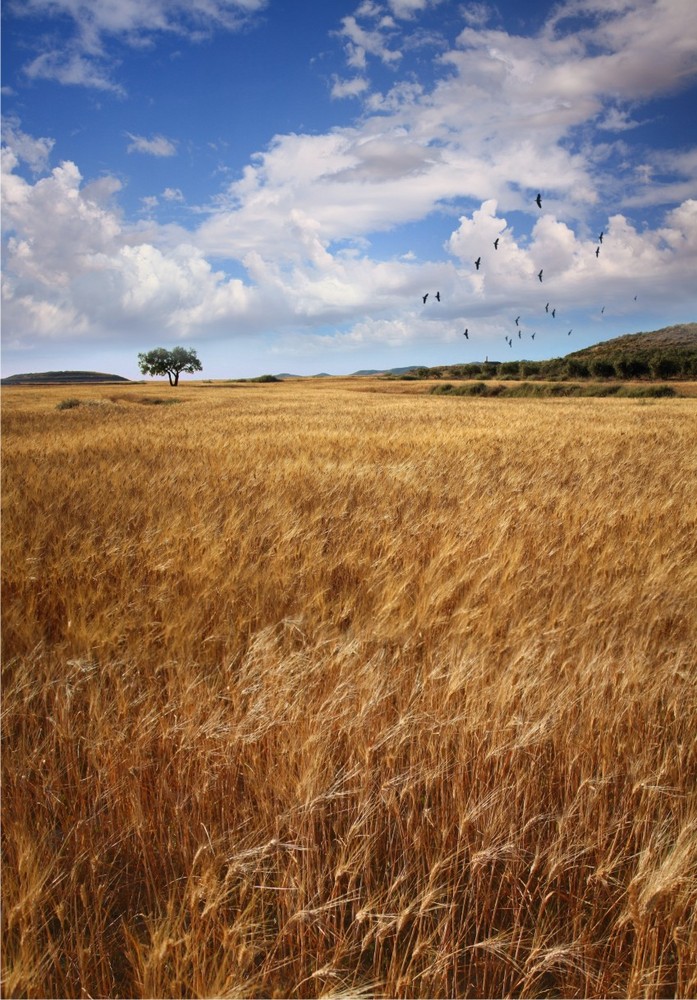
(172, 363)
(540, 389)
(670, 353)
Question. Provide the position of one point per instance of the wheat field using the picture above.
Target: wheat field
(337, 689)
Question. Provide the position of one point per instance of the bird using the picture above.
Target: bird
(539, 200)
(569, 333)
(635, 298)
(540, 274)
(554, 313)
(496, 243)
(532, 336)
(438, 296)
(600, 238)
(547, 308)
(516, 321)
(519, 335)
(467, 333)
(597, 251)
(424, 297)
(602, 310)
(477, 262)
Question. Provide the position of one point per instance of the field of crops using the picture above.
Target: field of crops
(335, 688)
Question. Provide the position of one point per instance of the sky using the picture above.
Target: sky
(277, 184)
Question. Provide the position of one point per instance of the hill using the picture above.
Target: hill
(669, 338)
(668, 353)
(61, 378)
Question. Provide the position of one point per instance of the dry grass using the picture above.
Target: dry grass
(311, 691)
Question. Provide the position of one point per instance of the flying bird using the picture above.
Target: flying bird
(569, 333)
(477, 262)
(438, 296)
(519, 335)
(635, 298)
(516, 321)
(600, 238)
(532, 335)
(539, 200)
(547, 308)
(597, 251)
(424, 297)
(496, 243)
(554, 313)
(540, 274)
(467, 333)
(602, 310)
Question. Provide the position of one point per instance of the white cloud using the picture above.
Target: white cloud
(34, 152)
(349, 88)
(157, 145)
(473, 149)
(85, 61)
(71, 69)
(364, 40)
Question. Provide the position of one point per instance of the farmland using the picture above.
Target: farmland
(339, 688)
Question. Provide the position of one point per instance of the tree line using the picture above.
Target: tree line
(657, 364)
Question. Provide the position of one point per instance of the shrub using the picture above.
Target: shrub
(67, 404)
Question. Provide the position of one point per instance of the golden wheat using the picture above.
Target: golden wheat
(337, 689)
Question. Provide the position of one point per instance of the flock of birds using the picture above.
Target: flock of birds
(539, 275)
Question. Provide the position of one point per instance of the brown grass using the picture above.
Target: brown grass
(317, 689)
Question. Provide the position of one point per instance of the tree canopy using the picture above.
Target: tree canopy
(172, 363)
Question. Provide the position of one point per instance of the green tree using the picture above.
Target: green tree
(665, 366)
(172, 363)
(602, 368)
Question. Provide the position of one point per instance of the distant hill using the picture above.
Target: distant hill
(669, 338)
(61, 378)
(362, 371)
(385, 371)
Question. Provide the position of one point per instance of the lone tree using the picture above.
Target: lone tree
(160, 361)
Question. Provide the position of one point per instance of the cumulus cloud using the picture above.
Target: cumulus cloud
(507, 116)
(34, 152)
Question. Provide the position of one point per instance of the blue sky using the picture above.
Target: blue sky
(277, 183)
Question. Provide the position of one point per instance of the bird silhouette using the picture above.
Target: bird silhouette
(540, 274)
(467, 333)
(547, 308)
(438, 296)
(496, 243)
(569, 333)
(477, 262)
(600, 238)
(554, 313)
(602, 310)
(635, 298)
(539, 200)
(516, 321)
(532, 336)
(519, 335)
(597, 251)
(424, 297)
